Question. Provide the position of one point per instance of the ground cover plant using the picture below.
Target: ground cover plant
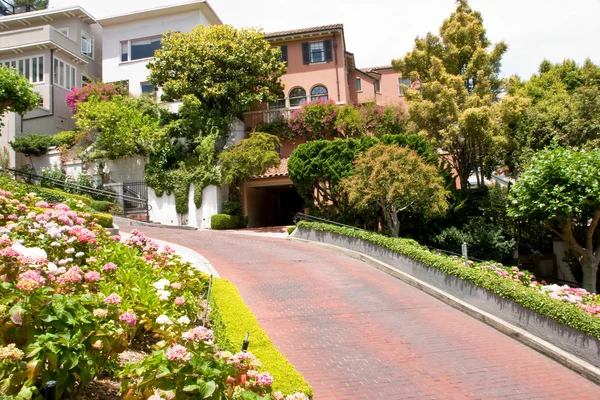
(72, 298)
(574, 307)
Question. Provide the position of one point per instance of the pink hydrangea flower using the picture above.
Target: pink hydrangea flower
(113, 299)
(178, 352)
(264, 379)
(62, 207)
(41, 204)
(129, 318)
(179, 301)
(30, 280)
(73, 275)
(109, 267)
(92, 276)
(199, 334)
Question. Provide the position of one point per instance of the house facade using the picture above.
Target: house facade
(319, 66)
(130, 40)
(56, 50)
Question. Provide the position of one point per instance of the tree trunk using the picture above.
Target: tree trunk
(590, 273)
(391, 218)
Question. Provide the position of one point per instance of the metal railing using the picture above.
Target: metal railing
(65, 185)
(9, 9)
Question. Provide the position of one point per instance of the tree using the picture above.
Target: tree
(561, 187)
(227, 69)
(126, 126)
(16, 94)
(396, 179)
(250, 157)
(455, 86)
(563, 106)
(36, 4)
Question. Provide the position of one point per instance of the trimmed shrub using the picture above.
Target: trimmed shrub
(102, 206)
(532, 298)
(224, 221)
(291, 229)
(105, 220)
(231, 319)
(243, 222)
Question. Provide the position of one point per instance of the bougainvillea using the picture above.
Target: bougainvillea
(104, 91)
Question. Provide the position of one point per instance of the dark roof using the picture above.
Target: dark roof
(373, 69)
(304, 30)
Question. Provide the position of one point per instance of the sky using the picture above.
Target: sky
(378, 31)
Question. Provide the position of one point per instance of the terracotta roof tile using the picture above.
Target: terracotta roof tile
(373, 69)
(273, 172)
(304, 30)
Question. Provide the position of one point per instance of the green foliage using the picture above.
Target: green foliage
(381, 120)
(33, 144)
(396, 179)
(250, 157)
(16, 94)
(232, 208)
(227, 69)
(65, 138)
(224, 221)
(454, 91)
(315, 120)
(126, 126)
(36, 4)
(291, 229)
(561, 187)
(560, 311)
(563, 105)
(232, 318)
(102, 206)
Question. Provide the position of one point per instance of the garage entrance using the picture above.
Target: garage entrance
(271, 204)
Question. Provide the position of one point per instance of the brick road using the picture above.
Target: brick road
(357, 333)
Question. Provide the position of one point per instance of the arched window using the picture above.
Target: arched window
(319, 93)
(279, 103)
(297, 97)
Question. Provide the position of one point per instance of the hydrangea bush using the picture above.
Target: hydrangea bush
(72, 298)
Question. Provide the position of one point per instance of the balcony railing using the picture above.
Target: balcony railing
(253, 118)
(8, 9)
(34, 36)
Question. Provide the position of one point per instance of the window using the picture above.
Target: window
(148, 88)
(316, 52)
(284, 53)
(377, 86)
(64, 31)
(279, 103)
(138, 49)
(64, 74)
(318, 93)
(358, 85)
(31, 68)
(401, 82)
(87, 44)
(297, 97)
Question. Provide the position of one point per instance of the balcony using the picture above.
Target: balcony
(8, 9)
(253, 118)
(39, 38)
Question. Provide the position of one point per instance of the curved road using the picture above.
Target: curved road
(357, 333)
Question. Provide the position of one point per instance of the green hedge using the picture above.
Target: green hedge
(102, 206)
(105, 220)
(224, 221)
(291, 229)
(562, 312)
(231, 319)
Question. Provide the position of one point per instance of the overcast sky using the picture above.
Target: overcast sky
(380, 30)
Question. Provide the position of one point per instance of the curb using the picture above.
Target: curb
(570, 361)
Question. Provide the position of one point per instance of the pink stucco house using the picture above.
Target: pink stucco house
(319, 66)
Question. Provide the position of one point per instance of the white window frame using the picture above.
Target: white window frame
(402, 81)
(14, 63)
(63, 31)
(86, 36)
(358, 83)
(69, 72)
(128, 43)
(310, 53)
(377, 86)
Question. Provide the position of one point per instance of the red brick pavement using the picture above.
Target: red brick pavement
(357, 333)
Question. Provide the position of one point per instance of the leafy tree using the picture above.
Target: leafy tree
(16, 94)
(37, 4)
(396, 179)
(455, 86)
(125, 126)
(563, 105)
(32, 144)
(250, 157)
(561, 187)
(227, 69)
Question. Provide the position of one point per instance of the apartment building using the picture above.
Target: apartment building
(57, 50)
(130, 40)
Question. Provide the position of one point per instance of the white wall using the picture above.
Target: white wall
(135, 71)
(163, 208)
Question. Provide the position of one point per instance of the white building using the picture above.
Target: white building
(56, 49)
(129, 40)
